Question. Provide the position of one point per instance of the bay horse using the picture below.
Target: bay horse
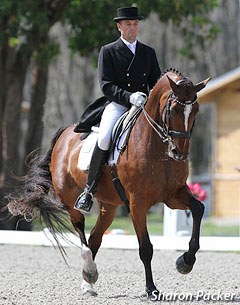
(154, 168)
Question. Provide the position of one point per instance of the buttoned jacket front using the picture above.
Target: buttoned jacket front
(121, 72)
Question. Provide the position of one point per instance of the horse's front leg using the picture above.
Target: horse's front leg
(184, 263)
(139, 219)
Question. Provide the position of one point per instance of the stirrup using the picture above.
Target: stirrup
(84, 202)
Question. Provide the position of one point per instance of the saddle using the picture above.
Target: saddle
(120, 136)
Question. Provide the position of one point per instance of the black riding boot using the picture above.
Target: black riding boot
(85, 201)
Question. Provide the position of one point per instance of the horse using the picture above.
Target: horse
(153, 168)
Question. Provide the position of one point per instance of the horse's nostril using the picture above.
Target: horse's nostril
(177, 154)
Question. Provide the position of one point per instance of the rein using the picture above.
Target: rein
(163, 132)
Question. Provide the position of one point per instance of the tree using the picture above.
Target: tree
(25, 44)
(92, 25)
(24, 27)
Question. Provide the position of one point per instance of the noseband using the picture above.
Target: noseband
(166, 121)
(164, 132)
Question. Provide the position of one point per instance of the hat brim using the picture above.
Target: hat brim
(116, 19)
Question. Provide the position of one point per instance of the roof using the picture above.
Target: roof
(229, 80)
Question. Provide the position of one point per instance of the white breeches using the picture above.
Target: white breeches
(110, 115)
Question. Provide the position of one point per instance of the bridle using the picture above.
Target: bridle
(164, 132)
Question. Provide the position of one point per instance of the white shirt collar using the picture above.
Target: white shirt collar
(130, 45)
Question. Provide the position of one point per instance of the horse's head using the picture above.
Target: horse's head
(178, 108)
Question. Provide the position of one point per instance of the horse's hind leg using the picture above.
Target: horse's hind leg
(185, 262)
(90, 274)
(89, 271)
(89, 268)
(105, 219)
(89, 251)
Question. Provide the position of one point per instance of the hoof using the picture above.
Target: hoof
(153, 294)
(89, 268)
(87, 289)
(182, 267)
(90, 276)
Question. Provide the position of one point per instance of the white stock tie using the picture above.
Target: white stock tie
(131, 47)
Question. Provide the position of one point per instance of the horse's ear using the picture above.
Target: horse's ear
(173, 85)
(202, 84)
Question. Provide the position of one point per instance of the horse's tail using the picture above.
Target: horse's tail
(37, 199)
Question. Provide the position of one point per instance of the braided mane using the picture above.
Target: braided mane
(170, 70)
(163, 74)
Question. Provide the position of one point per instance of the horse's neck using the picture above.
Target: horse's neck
(145, 137)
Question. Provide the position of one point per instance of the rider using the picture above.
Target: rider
(128, 69)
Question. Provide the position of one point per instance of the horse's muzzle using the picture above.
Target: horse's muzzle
(177, 155)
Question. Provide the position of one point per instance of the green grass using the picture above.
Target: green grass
(155, 226)
(210, 229)
(125, 223)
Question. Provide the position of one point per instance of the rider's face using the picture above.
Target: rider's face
(128, 29)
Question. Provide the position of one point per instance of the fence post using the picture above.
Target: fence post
(176, 222)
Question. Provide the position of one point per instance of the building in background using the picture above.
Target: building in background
(218, 145)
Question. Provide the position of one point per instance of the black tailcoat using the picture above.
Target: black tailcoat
(120, 74)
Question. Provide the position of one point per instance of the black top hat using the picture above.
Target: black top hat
(127, 13)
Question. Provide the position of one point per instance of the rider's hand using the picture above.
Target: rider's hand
(138, 99)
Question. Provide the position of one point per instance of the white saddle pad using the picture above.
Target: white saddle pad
(86, 152)
(90, 142)
(88, 147)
